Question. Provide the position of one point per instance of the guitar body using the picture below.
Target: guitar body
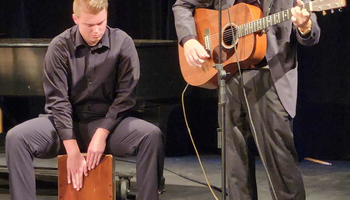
(251, 48)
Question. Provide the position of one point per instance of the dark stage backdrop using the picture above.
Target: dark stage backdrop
(322, 124)
(141, 19)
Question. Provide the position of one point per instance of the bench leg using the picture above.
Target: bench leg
(1, 129)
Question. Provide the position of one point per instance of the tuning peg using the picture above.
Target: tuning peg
(332, 11)
(324, 13)
(340, 9)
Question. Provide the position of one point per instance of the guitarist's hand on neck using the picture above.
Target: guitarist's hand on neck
(301, 18)
(195, 53)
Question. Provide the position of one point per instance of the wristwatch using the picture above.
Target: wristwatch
(305, 32)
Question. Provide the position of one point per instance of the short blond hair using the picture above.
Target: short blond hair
(90, 6)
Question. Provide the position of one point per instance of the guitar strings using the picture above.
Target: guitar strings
(227, 35)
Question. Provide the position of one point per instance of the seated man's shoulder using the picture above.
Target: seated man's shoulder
(118, 34)
(67, 36)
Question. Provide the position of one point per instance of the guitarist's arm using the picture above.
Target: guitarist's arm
(308, 31)
(186, 30)
(183, 15)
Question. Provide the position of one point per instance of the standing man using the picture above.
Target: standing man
(271, 91)
(90, 73)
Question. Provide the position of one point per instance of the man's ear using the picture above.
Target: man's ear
(75, 18)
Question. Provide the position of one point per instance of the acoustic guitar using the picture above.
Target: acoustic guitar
(246, 32)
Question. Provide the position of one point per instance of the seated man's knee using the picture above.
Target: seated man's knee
(13, 137)
(155, 135)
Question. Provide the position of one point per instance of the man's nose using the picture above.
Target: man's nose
(95, 29)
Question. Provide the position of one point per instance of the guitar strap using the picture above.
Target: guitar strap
(267, 5)
(266, 10)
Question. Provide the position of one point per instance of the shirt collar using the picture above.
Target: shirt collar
(79, 41)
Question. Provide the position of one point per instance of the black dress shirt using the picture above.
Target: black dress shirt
(84, 83)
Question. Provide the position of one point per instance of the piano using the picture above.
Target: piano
(21, 64)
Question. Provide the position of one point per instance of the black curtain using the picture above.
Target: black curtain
(142, 19)
(322, 125)
(35, 19)
(146, 19)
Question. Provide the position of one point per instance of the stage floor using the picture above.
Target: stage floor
(321, 182)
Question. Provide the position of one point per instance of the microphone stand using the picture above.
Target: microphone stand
(221, 74)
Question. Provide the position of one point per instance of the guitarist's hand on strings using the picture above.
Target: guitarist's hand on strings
(301, 17)
(195, 53)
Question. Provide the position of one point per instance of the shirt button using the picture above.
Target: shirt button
(90, 82)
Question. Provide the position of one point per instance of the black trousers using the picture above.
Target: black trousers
(37, 138)
(274, 139)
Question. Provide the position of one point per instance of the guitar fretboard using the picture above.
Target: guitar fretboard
(266, 22)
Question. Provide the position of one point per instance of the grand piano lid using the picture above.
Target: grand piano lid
(25, 42)
(21, 64)
(44, 42)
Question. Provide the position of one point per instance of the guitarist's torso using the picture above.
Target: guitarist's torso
(251, 48)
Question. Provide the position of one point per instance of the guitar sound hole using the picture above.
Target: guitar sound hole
(227, 45)
(228, 35)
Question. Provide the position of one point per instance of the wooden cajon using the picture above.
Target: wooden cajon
(98, 185)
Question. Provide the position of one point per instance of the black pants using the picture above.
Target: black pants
(274, 138)
(37, 138)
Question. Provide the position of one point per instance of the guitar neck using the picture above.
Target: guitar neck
(265, 22)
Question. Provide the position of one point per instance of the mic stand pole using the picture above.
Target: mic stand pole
(222, 103)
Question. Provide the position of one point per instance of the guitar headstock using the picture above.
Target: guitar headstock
(323, 5)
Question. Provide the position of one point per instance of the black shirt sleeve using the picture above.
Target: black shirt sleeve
(55, 83)
(128, 76)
